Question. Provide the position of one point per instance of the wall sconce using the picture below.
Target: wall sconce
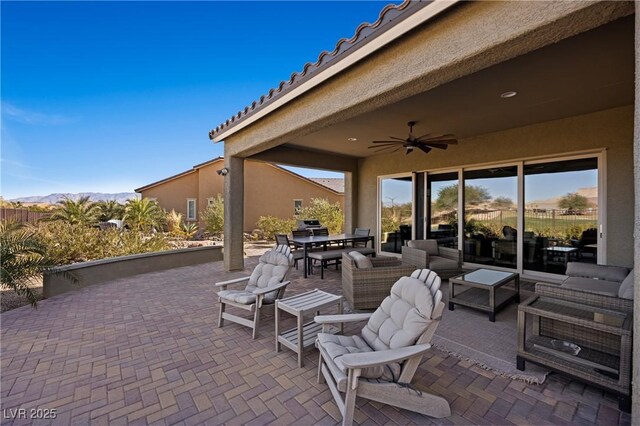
(223, 172)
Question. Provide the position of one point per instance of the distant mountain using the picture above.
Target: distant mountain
(552, 203)
(120, 197)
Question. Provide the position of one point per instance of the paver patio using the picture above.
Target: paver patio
(146, 349)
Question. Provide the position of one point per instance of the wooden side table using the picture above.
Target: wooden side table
(304, 335)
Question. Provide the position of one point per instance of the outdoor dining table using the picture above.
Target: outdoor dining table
(308, 242)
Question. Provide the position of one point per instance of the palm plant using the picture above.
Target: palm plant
(82, 211)
(23, 257)
(110, 209)
(143, 214)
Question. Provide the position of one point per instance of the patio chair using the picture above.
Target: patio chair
(445, 261)
(283, 240)
(367, 281)
(380, 362)
(265, 285)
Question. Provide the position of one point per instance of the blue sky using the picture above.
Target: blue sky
(109, 96)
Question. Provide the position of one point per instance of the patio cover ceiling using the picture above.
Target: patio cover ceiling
(589, 72)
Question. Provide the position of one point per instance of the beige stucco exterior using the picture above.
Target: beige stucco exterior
(269, 191)
(468, 38)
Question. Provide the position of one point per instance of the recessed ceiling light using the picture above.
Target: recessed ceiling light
(509, 94)
(352, 139)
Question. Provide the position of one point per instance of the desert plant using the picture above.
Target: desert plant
(271, 225)
(109, 209)
(213, 216)
(329, 215)
(189, 230)
(143, 214)
(23, 257)
(173, 220)
(67, 243)
(81, 211)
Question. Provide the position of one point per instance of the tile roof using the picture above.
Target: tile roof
(389, 16)
(336, 184)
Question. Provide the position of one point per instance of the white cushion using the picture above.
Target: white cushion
(402, 317)
(239, 296)
(337, 345)
(362, 261)
(626, 288)
(272, 269)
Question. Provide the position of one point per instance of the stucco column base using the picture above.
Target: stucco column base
(234, 214)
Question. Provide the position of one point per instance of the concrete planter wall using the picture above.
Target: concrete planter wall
(99, 271)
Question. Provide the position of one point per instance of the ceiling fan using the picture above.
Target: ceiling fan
(424, 143)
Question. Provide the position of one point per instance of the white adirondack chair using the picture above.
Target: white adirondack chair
(266, 284)
(380, 363)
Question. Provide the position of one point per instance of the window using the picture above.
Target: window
(297, 206)
(491, 216)
(396, 212)
(561, 214)
(191, 209)
(442, 194)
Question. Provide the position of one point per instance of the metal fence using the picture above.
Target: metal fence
(22, 215)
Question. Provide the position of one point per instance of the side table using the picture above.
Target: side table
(304, 335)
(584, 342)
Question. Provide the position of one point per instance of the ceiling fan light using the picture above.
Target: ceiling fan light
(509, 94)
(352, 139)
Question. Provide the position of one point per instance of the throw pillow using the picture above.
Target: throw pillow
(362, 261)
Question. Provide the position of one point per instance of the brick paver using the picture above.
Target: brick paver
(147, 349)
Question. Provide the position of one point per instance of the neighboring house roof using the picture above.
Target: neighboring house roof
(389, 17)
(179, 175)
(337, 184)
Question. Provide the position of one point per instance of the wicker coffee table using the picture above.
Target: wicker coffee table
(587, 343)
(483, 289)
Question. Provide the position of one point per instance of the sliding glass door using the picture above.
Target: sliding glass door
(490, 216)
(396, 212)
(529, 216)
(561, 214)
(442, 207)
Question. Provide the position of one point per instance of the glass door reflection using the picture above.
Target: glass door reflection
(396, 213)
(443, 208)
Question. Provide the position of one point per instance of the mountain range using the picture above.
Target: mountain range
(120, 197)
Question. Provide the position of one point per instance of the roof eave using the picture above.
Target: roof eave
(421, 16)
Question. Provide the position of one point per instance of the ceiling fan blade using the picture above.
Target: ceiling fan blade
(389, 142)
(398, 139)
(447, 141)
(396, 150)
(382, 149)
(424, 136)
(436, 145)
(424, 149)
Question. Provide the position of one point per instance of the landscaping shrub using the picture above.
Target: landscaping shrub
(143, 214)
(329, 215)
(271, 225)
(174, 220)
(213, 216)
(68, 243)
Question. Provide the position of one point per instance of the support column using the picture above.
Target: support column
(350, 201)
(234, 214)
(635, 408)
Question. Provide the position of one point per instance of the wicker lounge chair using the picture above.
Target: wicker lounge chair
(380, 362)
(366, 288)
(446, 262)
(265, 285)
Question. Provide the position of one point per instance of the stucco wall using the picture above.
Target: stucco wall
(269, 191)
(173, 194)
(610, 129)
